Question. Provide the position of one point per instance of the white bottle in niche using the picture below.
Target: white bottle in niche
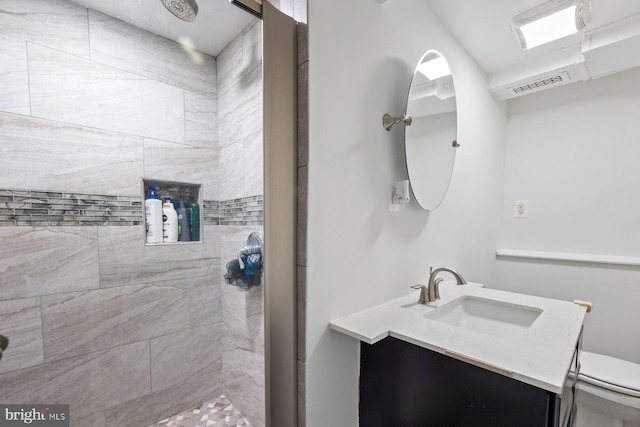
(169, 222)
(153, 216)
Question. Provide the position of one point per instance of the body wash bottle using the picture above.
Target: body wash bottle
(153, 216)
(184, 233)
(169, 222)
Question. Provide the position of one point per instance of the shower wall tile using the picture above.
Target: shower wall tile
(39, 261)
(244, 383)
(125, 260)
(110, 98)
(243, 318)
(241, 172)
(82, 322)
(59, 24)
(22, 324)
(183, 163)
(54, 208)
(149, 55)
(247, 211)
(166, 402)
(253, 161)
(201, 120)
(232, 171)
(88, 306)
(229, 63)
(14, 80)
(243, 315)
(88, 383)
(205, 299)
(233, 238)
(252, 46)
(184, 355)
(28, 208)
(50, 155)
(240, 109)
(242, 311)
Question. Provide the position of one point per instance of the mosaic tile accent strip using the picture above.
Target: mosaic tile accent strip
(245, 211)
(218, 412)
(211, 212)
(51, 208)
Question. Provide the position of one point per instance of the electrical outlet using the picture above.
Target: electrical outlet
(521, 209)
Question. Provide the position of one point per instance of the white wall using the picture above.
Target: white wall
(362, 55)
(573, 152)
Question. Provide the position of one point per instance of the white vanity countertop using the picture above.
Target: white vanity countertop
(539, 355)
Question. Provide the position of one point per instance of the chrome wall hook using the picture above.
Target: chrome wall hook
(388, 121)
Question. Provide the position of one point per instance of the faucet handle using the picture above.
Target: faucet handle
(436, 287)
(423, 293)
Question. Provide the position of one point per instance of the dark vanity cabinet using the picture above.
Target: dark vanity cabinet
(405, 385)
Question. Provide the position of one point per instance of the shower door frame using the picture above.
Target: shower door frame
(280, 213)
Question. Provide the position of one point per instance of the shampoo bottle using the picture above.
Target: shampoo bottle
(169, 222)
(184, 233)
(153, 216)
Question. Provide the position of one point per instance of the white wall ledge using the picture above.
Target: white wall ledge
(568, 256)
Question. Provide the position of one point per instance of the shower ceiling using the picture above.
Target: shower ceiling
(217, 22)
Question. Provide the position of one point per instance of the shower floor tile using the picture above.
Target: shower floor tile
(218, 412)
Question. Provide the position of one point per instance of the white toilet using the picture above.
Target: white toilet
(608, 392)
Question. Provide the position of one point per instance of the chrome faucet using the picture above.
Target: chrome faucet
(432, 292)
(433, 273)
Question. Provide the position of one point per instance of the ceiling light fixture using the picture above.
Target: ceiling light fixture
(183, 9)
(550, 21)
(434, 67)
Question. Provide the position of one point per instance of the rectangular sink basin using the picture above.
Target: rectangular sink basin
(486, 315)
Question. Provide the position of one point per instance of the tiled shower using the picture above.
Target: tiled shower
(127, 334)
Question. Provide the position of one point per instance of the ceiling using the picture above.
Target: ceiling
(218, 21)
(482, 28)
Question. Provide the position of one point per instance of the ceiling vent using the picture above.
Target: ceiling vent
(542, 83)
(605, 50)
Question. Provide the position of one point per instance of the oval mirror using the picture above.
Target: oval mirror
(430, 141)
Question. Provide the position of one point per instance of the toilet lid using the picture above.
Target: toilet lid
(610, 373)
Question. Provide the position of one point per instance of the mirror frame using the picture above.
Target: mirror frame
(430, 152)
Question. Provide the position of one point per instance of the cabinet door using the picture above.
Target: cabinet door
(405, 385)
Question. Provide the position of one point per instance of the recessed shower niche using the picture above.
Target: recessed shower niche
(187, 201)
